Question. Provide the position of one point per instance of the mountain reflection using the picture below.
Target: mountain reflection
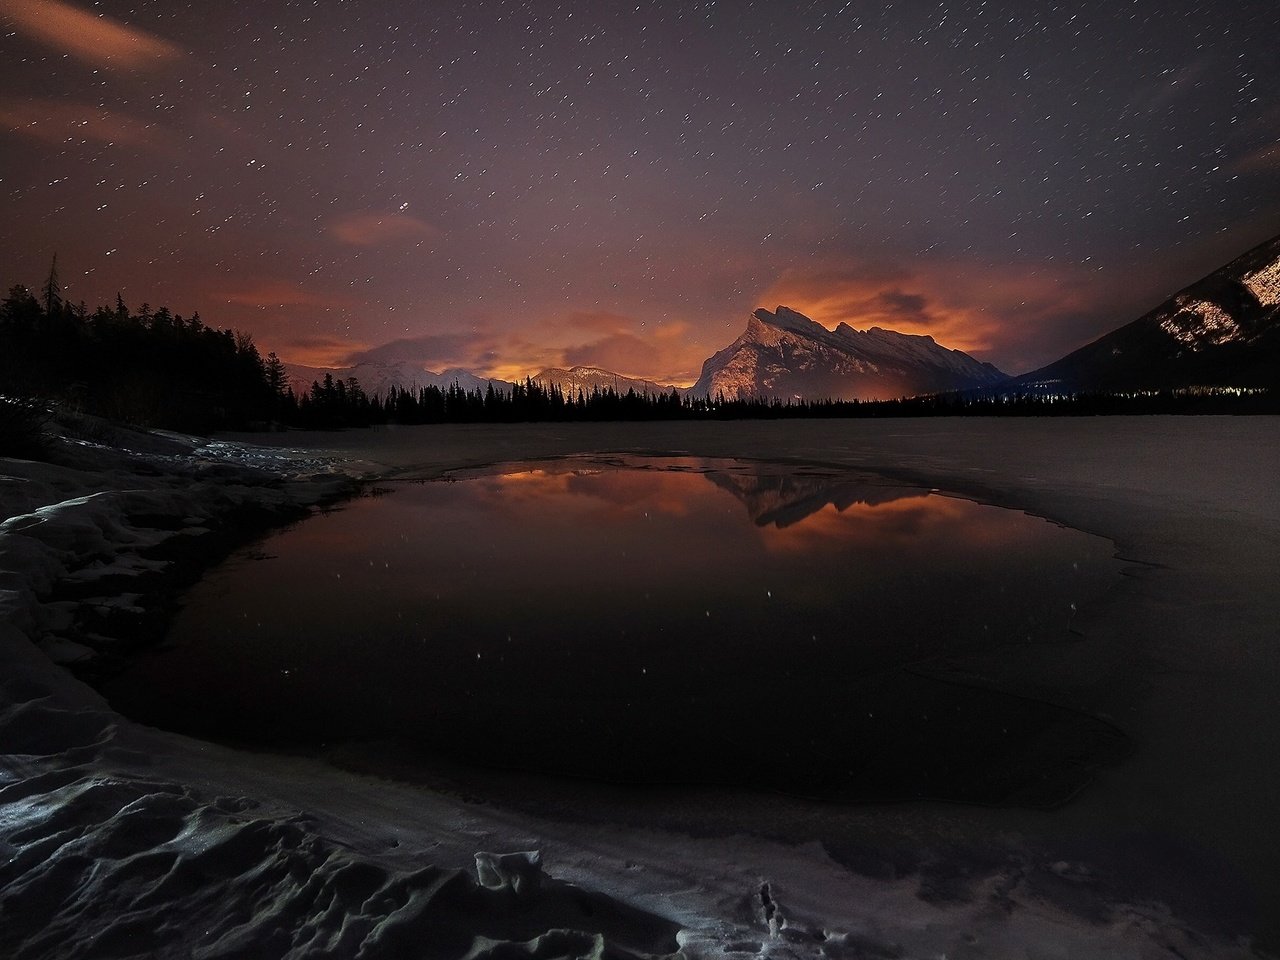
(781, 499)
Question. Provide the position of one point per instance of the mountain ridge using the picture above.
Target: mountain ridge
(1223, 330)
(377, 377)
(586, 378)
(782, 353)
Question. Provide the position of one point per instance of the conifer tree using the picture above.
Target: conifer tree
(52, 289)
(277, 378)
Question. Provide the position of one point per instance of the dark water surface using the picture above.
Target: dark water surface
(649, 620)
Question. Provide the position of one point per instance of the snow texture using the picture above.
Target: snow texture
(1265, 283)
(1198, 323)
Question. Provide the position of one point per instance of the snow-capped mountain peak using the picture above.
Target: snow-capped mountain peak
(787, 319)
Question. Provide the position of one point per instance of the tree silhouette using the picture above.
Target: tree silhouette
(277, 378)
(52, 289)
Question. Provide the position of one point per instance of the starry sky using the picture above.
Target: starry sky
(505, 186)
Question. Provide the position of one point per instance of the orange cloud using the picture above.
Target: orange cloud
(1265, 159)
(895, 300)
(600, 321)
(93, 38)
(376, 229)
(51, 121)
(628, 347)
(526, 364)
(317, 351)
(282, 293)
(619, 352)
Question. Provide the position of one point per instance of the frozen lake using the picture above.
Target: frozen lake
(655, 620)
(1170, 849)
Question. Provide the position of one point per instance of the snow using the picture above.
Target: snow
(1198, 323)
(1265, 283)
(376, 376)
(784, 353)
(916, 350)
(587, 378)
(117, 840)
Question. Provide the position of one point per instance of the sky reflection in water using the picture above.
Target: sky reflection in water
(649, 620)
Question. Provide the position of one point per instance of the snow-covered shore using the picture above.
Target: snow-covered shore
(121, 841)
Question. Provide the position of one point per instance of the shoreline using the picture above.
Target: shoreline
(96, 746)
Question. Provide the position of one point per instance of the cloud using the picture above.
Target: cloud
(498, 347)
(1263, 159)
(628, 347)
(282, 293)
(598, 321)
(1162, 91)
(377, 229)
(895, 298)
(314, 350)
(614, 346)
(55, 122)
(92, 38)
(909, 304)
(621, 353)
(434, 351)
(516, 358)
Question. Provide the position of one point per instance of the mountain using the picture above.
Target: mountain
(1223, 330)
(378, 376)
(587, 379)
(785, 354)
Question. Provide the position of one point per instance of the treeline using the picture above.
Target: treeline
(159, 369)
(535, 401)
(992, 403)
(148, 367)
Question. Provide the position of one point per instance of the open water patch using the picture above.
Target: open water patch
(649, 620)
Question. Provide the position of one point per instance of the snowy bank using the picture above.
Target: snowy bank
(121, 841)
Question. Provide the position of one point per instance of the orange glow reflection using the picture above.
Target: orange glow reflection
(902, 521)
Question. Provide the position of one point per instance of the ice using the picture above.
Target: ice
(120, 841)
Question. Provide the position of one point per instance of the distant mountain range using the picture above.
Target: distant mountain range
(379, 376)
(587, 379)
(1223, 330)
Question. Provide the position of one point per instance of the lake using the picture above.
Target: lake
(650, 620)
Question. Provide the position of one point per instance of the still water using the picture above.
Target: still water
(649, 620)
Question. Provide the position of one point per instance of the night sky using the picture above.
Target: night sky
(507, 186)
